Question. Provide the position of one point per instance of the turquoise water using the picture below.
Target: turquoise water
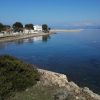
(75, 54)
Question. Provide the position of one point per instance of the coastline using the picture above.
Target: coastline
(9, 38)
(49, 78)
(53, 78)
(66, 30)
(22, 36)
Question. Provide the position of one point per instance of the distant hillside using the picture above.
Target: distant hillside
(75, 26)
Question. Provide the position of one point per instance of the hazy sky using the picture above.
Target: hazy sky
(50, 11)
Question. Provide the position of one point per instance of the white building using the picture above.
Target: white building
(26, 31)
(37, 28)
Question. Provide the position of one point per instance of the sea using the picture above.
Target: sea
(75, 54)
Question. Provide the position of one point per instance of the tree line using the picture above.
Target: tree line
(18, 26)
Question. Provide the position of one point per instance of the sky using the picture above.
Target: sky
(50, 11)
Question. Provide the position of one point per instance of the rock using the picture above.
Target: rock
(91, 94)
(61, 94)
(74, 87)
(72, 84)
(52, 78)
(71, 90)
(77, 98)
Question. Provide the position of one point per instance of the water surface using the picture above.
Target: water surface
(75, 54)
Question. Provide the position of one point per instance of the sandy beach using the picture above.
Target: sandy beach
(66, 30)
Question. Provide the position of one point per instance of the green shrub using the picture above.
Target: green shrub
(15, 75)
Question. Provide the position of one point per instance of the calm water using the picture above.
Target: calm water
(75, 54)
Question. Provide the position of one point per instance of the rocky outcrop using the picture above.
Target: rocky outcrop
(52, 78)
(70, 91)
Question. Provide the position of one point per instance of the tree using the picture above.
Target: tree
(29, 26)
(45, 28)
(1, 27)
(17, 26)
(49, 28)
(7, 26)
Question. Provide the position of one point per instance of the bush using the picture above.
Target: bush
(15, 75)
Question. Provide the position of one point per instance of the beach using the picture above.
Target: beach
(66, 30)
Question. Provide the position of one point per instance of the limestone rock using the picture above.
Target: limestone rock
(71, 90)
(89, 92)
(52, 78)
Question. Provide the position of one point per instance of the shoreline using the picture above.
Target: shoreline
(66, 30)
(22, 36)
(50, 78)
(10, 38)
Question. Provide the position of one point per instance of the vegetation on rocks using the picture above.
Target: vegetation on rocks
(19, 78)
(55, 86)
(15, 76)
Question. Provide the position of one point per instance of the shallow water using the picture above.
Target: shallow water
(75, 54)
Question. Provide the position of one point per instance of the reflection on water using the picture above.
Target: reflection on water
(75, 54)
(34, 39)
(2, 45)
(45, 38)
(29, 40)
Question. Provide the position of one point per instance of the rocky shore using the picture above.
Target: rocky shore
(55, 86)
(70, 91)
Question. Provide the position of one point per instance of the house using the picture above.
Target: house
(29, 31)
(38, 28)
